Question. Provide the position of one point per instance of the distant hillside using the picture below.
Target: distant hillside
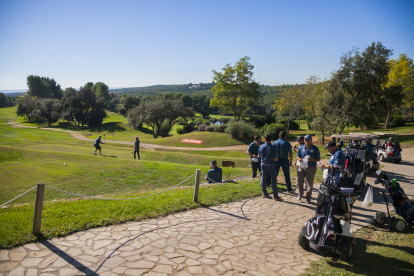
(202, 88)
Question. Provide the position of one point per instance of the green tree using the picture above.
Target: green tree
(127, 102)
(25, 107)
(402, 73)
(43, 87)
(49, 109)
(82, 107)
(235, 88)
(355, 86)
(101, 90)
(157, 113)
(288, 103)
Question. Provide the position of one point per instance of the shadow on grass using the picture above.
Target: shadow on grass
(370, 256)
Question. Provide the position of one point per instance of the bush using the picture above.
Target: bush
(180, 130)
(397, 121)
(213, 120)
(211, 128)
(190, 127)
(241, 130)
(202, 127)
(198, 121)
(221, 128)
(164, 129)
(261, 121)
(273, 129)
(224, 120)
(309, 121)
(292, 126)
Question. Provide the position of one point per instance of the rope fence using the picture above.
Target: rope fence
(18, 196)
(40, 193)
(99, 198)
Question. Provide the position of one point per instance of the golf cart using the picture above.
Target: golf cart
(355, 171)
(387, 151)
(371, 158)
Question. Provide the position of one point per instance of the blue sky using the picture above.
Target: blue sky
(141, 43)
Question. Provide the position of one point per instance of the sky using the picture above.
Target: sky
(142, 43)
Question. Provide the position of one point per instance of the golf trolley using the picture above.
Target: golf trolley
(401, 203)
(331, 229)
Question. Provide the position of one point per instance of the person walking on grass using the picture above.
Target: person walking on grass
(268, 155)
(97, 145)
(136, 150)
(284, 152)
(314, 156)
(301, 140)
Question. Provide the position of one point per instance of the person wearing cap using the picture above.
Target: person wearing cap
(314, 156)
(301, 140)
(337, 158)
(284, 153)
(97, 146)
(253, 151)
(268, 155)
(215, 173)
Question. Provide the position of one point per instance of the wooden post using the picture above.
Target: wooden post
(197, 185)
(37, 220)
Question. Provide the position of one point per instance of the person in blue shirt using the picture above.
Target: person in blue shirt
(268, 155)
(314, 156)
(284, 153)
(136, 150)
(337, 158)
(97, 145)
(253, 151)
(215, 173)
(370, 147)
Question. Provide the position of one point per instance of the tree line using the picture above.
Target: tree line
(368, 88)
(45, 100)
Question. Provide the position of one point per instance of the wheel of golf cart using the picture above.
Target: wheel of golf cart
(381, 158)
(398, 225)
(380, 218)
(346, 253)
(303, 241)
(396, 161)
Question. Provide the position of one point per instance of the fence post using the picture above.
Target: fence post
(37, 220)
(197, 185)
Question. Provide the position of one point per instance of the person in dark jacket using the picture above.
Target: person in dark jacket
(136, 150)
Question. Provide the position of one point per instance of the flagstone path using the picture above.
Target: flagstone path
(254, 237)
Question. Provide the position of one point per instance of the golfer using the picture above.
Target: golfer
(284, 153)
(253, 151)
(314, 156)
(301, 140)
(97, 146)
(215, 174)
(136, 150)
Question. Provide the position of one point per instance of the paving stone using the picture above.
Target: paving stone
(141, 264)
(135, 272)
(69, 271)
(17, 256)
(163, 269)
(18, 271)
(195, 269)
(113, 262)
(31, 272)
(39, 254)
(31, 262)
(31, 246)
(4, 255)
(102, 243)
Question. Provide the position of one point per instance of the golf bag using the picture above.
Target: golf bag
(402, 204)
(331, 206)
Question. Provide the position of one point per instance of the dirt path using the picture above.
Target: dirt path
(147, 146)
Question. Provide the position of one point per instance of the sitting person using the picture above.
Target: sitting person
(214, 174)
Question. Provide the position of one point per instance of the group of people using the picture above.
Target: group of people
(98, 143)
(268, 158)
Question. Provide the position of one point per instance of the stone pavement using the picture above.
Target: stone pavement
(255, 237)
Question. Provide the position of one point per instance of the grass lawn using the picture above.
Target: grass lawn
(116, 128)
(29, 156)
(377, 251)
